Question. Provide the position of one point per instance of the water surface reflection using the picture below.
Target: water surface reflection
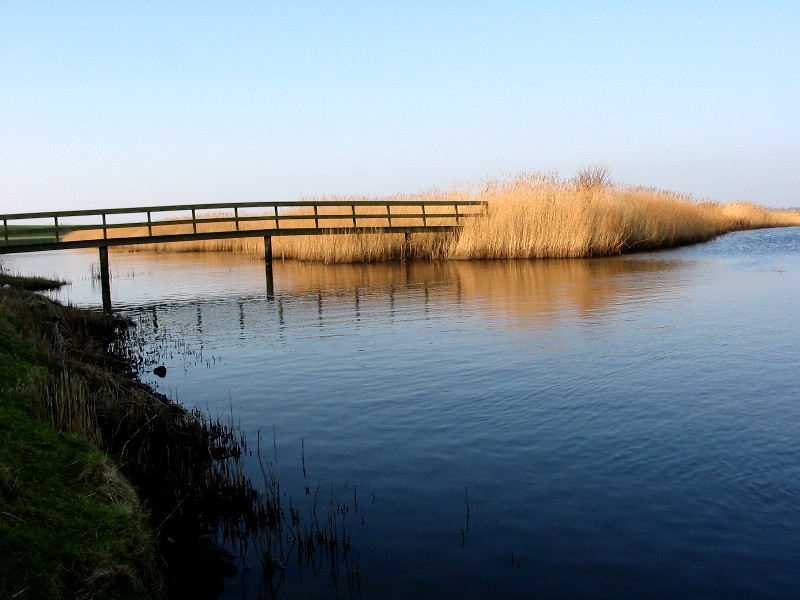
(623, 427)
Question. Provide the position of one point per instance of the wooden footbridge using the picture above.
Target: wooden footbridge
(105, 228)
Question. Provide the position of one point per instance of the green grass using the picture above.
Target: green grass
(70, 525)
(33, 283)
(31, 233)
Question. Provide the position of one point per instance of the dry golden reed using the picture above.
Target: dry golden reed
(530, 215)
(543, 216)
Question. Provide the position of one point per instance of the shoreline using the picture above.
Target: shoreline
(106, 487)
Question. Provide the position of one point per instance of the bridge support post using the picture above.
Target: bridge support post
(407, 247)
(105, 279)
(268, 266)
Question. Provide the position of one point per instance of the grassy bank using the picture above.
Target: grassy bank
(110, 490)
(70, 525)
(530, 215)
(31, 283)
(30, 233)
(81, 441)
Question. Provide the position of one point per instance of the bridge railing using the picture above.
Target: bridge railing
(23, 232)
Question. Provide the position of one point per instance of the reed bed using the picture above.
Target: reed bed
(542, 216)
(530, 215)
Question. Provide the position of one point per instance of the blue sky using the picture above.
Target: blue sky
(128, 103)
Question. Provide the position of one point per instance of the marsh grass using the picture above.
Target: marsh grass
(189, 468)
(261, 519)
(543, 216)
(530, 215)
(88, 391)
(85, 390)
(30, 283)
(70, 525)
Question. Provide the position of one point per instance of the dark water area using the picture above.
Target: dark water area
(624, 428)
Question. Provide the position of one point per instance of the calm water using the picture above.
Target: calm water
(624, 427)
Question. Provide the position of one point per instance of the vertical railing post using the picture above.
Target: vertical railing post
(389, 213)
(407, 246)
(268, 265)
(105, 278)
(424, 217)
(236, 216)
(105, 231)
(149, 225)
(316, 216)
(55, 221)
(277, 223)
(458, 216)
(268, 251)
(194, 222)
(353, 207)
(5, 230)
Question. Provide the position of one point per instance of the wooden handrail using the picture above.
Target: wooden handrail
(236, 205)
(278, 221)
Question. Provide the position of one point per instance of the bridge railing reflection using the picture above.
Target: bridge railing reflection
(527, 293)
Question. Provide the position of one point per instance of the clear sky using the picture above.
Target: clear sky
(129, 103)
